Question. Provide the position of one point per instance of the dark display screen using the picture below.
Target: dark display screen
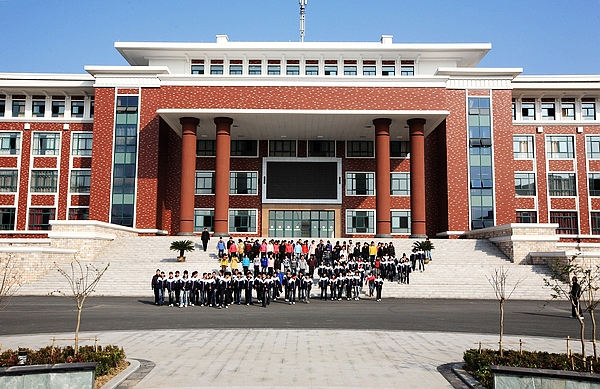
(302, 180)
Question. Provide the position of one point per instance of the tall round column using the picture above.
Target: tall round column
(383, 226)
(417, 178)
(188, 175)
(223, 146)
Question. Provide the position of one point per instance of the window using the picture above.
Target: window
(244, 148)
(331, 70)
(235, 70)
(369, 70)
(400, 184)
(321, 148)
(243, 183)
(528, 111)
(44, 181)
(10, 143)
(205, 182)
(242, 220)
(360, 184)
(273, 70)
(481, 177)
(593, 146)
(58, 108)
(399, 149)
(400, 222)
(77, 108)
(559, 147)
(526, 217)
(197, 69)
(482, 216)
(216, 69)
(567, 222)
(204, 218)
(525, 184)
(2, 106)
(282, 148)
(312, 70)
(562, 184)
(82, 144)
(46, 143)
(522, 146)
(7, 218)
(595, 223)
(255, 70)
(206, 148)
(588, 111)
(594, 184)
(292, 70)
(8, 180)
(568, 110)
(80, 181)
(359, 148)
(38, 108)
(548, 111)
(350, 71)
(407, 68)
(79, 213)
(360, 222)
(388, 70)
(514, 110)
(39, 218)
(18, 108)
(92, 107)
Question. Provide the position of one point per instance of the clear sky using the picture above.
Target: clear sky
(62, 36)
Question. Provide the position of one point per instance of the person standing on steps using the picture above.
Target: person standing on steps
(205, 237)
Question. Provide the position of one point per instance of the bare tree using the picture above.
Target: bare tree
(11, 278)
(498, 279)
(82, 279)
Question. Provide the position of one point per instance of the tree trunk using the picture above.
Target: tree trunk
(593, 317)
(79, 309)
(501, 325)
(582, 337)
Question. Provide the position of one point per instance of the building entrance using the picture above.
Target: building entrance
(302, 224)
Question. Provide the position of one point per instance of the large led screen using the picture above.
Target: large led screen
(302, 180)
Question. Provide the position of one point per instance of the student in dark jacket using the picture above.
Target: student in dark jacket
(205, 237)
(155, 287)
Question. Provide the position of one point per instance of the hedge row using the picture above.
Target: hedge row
(478, 364)
(108, 357)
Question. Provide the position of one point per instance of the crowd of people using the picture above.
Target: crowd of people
(264, 271)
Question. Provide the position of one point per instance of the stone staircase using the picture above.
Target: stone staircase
(459, 269)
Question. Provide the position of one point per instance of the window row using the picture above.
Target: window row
(38, 218)
(46, 143)
(557, 146)
(45, 181)
(40, 106)
(554, 109)
(386, 68)
(559, 184)
(568, 221)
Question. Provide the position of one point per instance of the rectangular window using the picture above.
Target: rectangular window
(82, 144)
(400, 222)
(514, 110)
(548, 111)
(206, 148)
(528, 111)
(360, 222)
(481, 177)
(292, 70)
(525, 184)
(350, 71)
(216, 69)
(79, 213)
(77, 108)
(593, 146)
(235, 70)
(8, 180)
(567, 111)
(205, 182)
(360, 184)
(567, 222)
(522, 146)
(331, 70)
(407, 70)
(282, 148)
(312, 70)
(595, 216)
(2, 107)
(588, 111)
(594, 184)
(369, 70)
(10, 143)
(244, 148)
(243, 183)
(562, 184)
(526, 217)
(80, 181)
(242, 220)
(7, 218)
(92, 107)
(400, 184)
(388, 70)
(46, 143)
(359, 148)
(204, 218)
(44, 181)
(559, 147)
(39, 218)
(255, 70)
(58, 108)
(399, 149)
(273, 70)
(197, 69)
(38, 108)
(18, 108)
(321, 148)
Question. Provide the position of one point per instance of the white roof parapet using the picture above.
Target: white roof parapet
(479, 72)
(112, 71)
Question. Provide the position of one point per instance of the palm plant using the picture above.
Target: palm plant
(182, 246)
(424, 245)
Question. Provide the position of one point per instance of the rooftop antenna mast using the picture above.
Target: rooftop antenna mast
(302, 18)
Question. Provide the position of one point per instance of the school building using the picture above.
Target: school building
(300, 139)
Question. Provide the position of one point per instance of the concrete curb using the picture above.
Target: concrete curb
(134, 364)
(465, 377)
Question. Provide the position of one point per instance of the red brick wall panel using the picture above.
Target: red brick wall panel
(7, 199)
(524, 203)
(80, 201)
(503, 149)
(595, 201)
(560, 165)
(42, 200)
(9, 162)
(82, 162)
(563, 203)
(45, 162)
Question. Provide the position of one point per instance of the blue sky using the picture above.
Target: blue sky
(62, 36)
